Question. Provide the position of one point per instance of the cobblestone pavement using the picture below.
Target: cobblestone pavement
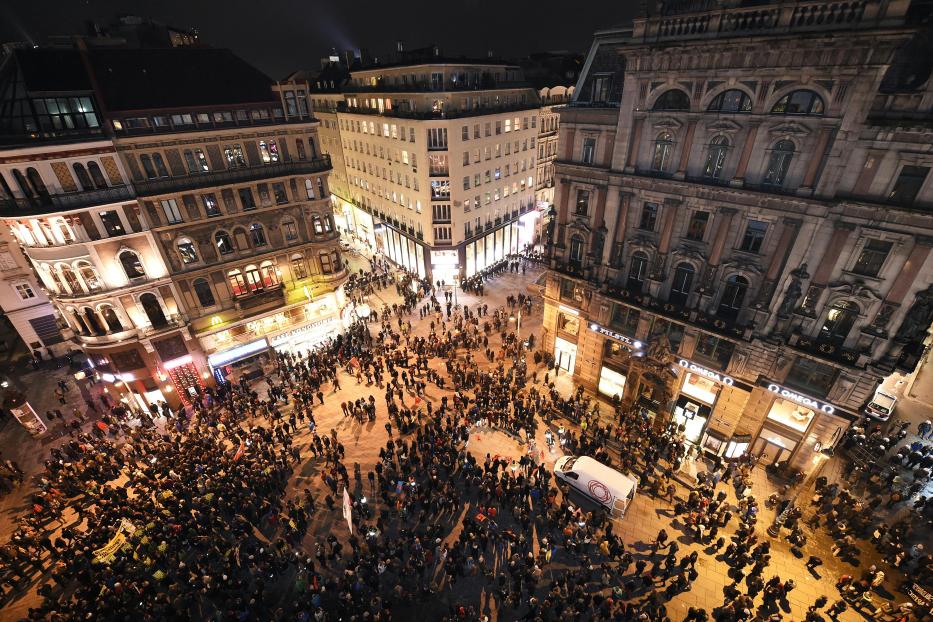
(646, 515)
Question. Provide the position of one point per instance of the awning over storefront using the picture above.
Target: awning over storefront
(226, 357)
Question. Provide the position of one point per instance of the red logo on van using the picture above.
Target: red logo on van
(599, 491)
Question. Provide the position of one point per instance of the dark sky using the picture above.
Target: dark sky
(282, 35)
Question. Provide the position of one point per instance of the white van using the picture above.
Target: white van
(881, 406)
(595, 480)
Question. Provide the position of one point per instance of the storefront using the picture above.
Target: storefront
(404, 251)
(565, 355)
(790, 417)
(365, 228)
(186, 382)
(611, 383)
(492, 247)
(698, 391)
(224, 363)
(445, 266)
(306, 338)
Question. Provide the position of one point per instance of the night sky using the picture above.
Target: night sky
(279, 36)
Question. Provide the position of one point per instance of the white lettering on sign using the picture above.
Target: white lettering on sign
(596, 328)
(708, 373)
(803, 400)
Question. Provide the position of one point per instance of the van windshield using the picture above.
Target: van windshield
(569, 464)
(880, 408)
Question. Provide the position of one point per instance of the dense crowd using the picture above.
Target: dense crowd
(203, 518)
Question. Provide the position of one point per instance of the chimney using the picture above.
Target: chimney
(488, 53)
(437, 51)
(399, 46)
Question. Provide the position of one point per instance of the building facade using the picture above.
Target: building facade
(182, 228)
(440, 162)
(744, 220)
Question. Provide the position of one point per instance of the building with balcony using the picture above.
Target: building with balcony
(744, 219)
(440, 160)
(182, 225)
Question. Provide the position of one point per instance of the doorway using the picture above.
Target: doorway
(565, 355)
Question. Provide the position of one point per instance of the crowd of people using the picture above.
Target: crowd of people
(203, 516)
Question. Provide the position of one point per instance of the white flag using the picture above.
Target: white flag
(348, 510)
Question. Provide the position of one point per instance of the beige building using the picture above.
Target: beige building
(440, 162)
(183, 228)
(742, 236)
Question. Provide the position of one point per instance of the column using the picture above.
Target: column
(634, 139)
(824, 269)
(618, 235)
(612, 216)
(685, 152)
(809, 178)
(562, 212)
(726, 215)
(739, 179)
(905, 278)
(664, 243)
(568, 146)
(869, 170)
(789, 229)
(598, 243)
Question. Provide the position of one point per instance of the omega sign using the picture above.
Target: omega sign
(708, 373)
(803, 400)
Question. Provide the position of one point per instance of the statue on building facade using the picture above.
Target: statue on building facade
(793, 293)
(917, 321)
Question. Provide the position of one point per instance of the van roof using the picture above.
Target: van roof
(607, 475)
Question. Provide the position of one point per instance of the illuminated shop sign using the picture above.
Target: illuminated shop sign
(707, 373)
(803, 400)
(235, 354)
(602, 330)
(298, 333)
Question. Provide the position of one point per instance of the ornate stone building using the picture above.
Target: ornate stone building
(174, 203)
(744, 219)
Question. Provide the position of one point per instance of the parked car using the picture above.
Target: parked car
(881, 406)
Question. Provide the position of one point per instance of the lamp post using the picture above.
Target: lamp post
(518, 322)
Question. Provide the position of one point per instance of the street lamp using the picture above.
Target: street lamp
(518, 320)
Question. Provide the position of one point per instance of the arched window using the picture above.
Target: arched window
(223, 242)
(716, 157)
(674, 99)
(270, 278)
(153, 310)
(79, 322)
(289, 229)
(733, 296)
(732, 100)
(71, 280)
(237, 283)
(92, 321)
(258, 234)
(239, 236)
(35, 180)
(148, 168)
(637, 272)
(253, 278)
(159, 164)
(54, 277)
(132, 266)
(190, 162)
(187, 251)
(112, 319)
(89, 274)
(96, 175)
(84, 180)
(299, 271)
(202, 289)
(65, 231)
(682, 284)
(576, 249)
(799, 102)
(839, 322)
(663, 149)
(327, 265)
(779, 163)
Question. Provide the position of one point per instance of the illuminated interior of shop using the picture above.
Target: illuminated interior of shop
(791, 414)
(611, 383)
(701, 388)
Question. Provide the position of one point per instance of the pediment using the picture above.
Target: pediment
(789, 128)
(723, 126)
(667, 123)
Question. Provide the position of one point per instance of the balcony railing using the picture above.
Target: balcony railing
(825, 349)
(260, 299)
(67, 201)
(446, 113)
(231, 176)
